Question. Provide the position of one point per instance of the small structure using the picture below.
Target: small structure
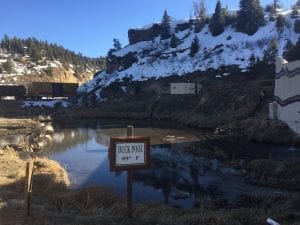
(286, 104)
(12, 90)
(49, 89)
(185, 88)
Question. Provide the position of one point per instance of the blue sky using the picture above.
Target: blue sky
(88, 26)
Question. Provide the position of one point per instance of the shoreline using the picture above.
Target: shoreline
(53, 202)
(55, 208)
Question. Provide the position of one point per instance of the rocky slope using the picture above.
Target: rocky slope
(148, 56)
(235, 93)
(25, 60)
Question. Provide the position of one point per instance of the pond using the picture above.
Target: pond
(187, 166)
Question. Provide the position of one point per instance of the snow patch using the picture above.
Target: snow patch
(46, 104)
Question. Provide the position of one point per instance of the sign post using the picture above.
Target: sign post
(128, 154)
(28, 187)
(129, 180)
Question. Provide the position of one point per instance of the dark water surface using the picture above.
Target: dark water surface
(187, 166)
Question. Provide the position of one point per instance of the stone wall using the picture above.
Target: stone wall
(286, 104)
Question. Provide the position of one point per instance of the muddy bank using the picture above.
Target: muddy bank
(261, 130)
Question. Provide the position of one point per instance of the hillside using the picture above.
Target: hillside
(148, 56)
(26, 60)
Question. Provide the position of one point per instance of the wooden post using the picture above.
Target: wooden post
(28, 187)
(129, 180)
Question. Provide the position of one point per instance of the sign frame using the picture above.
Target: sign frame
(127, 167)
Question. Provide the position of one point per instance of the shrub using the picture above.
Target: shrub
(8, 66)
(280, 23)
(49, 71)
(194, 46)
(297, 26)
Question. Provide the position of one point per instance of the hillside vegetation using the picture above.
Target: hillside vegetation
(25, 60)
(181, 47)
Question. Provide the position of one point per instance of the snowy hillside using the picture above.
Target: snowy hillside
(155, 58)
(22, 70)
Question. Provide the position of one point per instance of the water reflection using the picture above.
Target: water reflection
(12, 139)
(175, 177)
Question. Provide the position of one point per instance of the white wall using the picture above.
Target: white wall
(290, 115)
(287, 86)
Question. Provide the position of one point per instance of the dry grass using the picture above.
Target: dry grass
(11, 166)
(49, 179)
(13, 122)
(54, 203)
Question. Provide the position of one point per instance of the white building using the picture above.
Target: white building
(286, 104)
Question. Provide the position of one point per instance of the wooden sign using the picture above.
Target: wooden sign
(129, 153)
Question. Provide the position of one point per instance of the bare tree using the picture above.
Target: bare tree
(276, 4)
(199, 9)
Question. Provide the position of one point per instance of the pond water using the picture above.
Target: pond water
(186, 166)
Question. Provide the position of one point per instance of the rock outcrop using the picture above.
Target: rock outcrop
(114, 63)
(137, 35)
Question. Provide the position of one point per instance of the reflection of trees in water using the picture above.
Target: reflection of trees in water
(69, 138)
(176, 173)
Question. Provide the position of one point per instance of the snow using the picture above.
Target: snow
(53, 64)
(222, 51)
(148, 26)
(272, 222)
(231, 51)
(22, 65)
(41, 67)
(9, 85)
(46, 104)
(225, 74)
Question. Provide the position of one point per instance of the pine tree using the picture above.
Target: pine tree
(166, 19)
(291, 51)
(174, 41)
(8, 66)
(5, 42)
(287, 48)
(117, 44)
(271, 52)
(250, 16)
(194, 47)
(280, 23)
(252, 60)
(38, 49)
(35, 54)
(297, 5)
(165, 26)
(295, 12)
(217, 22)
(297, 26)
